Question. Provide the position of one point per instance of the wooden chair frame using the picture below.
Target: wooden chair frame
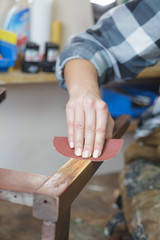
(51, 197)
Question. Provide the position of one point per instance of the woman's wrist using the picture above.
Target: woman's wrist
(81, 78)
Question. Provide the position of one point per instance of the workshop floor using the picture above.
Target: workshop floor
(90, 211)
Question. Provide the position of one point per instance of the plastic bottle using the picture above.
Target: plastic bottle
(17, 20)
(40, 27)
(56, 32)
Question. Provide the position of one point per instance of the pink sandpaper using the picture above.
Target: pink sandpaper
(110, 150)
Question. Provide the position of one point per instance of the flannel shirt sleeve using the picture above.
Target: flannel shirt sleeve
(124, 41)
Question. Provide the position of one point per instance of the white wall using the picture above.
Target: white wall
(75, 15)
(30, 117)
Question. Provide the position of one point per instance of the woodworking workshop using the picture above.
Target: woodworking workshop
(80, 119)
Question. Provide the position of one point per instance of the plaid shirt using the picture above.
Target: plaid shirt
(124, 41)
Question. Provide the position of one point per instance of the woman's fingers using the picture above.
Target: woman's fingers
(70, 123)
(89, 123)
(79, 129)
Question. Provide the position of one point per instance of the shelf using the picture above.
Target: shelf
(20, 77)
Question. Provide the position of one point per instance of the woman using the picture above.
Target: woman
(124, 41)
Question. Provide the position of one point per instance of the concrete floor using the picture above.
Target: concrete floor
(30, 117)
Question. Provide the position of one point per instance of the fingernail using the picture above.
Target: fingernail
(86, 154)
(78, 152)
(96, 154)
(71, 145)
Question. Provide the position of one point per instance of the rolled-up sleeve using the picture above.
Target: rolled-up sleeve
(124, 41)
(82, 48)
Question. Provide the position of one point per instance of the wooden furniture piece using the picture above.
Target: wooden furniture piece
(51, 197)
(91, 211)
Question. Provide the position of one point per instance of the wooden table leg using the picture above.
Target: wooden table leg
(58, 230)
(48, 230)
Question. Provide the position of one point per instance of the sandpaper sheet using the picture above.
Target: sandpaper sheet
(110, 150)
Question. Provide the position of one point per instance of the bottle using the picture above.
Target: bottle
(31, 63)
(17, 20)
(40, 25)
(56, 32)
(51, 54)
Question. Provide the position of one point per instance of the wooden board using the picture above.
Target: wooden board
(19, 77)
(19, 187)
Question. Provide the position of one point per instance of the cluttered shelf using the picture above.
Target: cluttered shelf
(29, 65)
(16, 77)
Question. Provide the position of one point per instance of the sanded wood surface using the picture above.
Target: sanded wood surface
(19, 77)
(20, 181)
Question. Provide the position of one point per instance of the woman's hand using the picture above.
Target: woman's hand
(88, 119)
(89, 123)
